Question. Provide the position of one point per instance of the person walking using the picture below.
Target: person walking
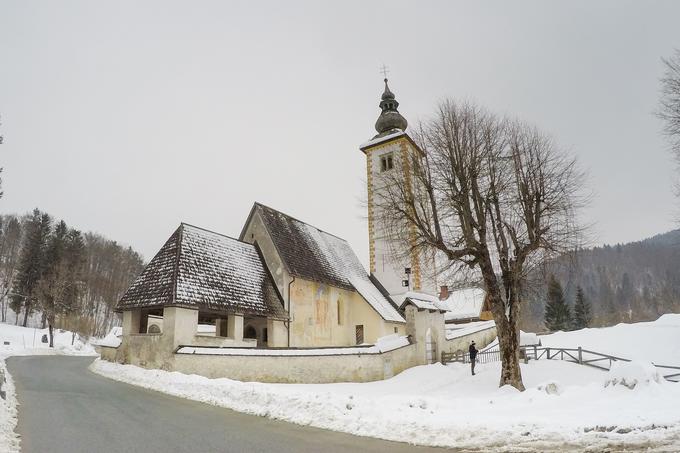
(473, 356)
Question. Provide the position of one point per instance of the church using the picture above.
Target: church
(285, 287)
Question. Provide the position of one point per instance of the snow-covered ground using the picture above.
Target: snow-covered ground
(16, 340)
(566, 406)
(656, 341)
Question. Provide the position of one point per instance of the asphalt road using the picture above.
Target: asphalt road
(66, 408)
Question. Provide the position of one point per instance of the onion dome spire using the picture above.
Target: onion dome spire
(389, 118)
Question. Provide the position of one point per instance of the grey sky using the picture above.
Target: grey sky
(128, 117)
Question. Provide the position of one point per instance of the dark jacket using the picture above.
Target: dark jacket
(473, 352)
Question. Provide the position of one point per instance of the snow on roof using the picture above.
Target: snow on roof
(394, 133)
(197, 267)
(463, 303)
(384, 344)
(422, 301)
(312, 254)
(461, 330)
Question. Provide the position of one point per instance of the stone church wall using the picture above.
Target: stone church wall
(324, 315)
(317, 369)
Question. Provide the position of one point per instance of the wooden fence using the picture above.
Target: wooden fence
(574, 355)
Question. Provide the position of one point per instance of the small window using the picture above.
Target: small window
(396, 330)
(386, 162)
(359, 330)
(339, 304)
(265, 336)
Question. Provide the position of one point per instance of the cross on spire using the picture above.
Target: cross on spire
(384, 71)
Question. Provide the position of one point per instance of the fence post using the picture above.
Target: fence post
(547, 351)
(535, 353)
(580, 355)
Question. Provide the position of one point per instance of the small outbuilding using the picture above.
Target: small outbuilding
(199, 276)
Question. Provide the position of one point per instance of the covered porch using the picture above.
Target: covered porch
(196, 327)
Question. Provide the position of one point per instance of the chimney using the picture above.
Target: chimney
(443, 292)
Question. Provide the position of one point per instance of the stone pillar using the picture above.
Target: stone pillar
(277, 334)
(179, 325)
(131, 320)
(235, 327)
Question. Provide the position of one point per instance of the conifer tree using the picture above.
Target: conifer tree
(53, 281)
(582, 315)
(32, 263)
(557, 312)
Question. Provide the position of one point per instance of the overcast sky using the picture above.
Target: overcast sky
(129, 117)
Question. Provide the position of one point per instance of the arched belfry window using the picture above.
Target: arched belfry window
(386, 162)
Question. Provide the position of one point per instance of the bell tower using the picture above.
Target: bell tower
(391, 149)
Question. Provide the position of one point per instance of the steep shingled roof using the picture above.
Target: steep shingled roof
(202, 269)
(312, 254)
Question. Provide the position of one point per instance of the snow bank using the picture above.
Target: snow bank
(656, 341)
(525, 339)
(633, 375)
(17, 340)
(112, 339)
(9, 440)
(445, 406)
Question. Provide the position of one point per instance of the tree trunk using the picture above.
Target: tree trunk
(508, 339)
(27, 309)
(43, 321)
(3, 308)
(506, 327)
(51, 328)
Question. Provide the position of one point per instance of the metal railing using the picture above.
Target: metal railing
(575, 355)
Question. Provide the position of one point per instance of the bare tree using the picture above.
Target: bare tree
(669, 108)
(491, 195)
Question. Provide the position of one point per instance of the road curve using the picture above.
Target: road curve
(66, 408)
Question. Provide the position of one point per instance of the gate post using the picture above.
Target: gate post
(580, 355)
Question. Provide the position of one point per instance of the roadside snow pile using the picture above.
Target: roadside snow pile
(9, 441)
(445, 406)
(656, 341)
(17, 340)
(112, 339)
(633, 375)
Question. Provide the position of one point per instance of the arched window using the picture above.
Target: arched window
(250, 332)
(153, 328)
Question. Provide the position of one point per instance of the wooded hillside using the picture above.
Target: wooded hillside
(52, 273)
(638, 281)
